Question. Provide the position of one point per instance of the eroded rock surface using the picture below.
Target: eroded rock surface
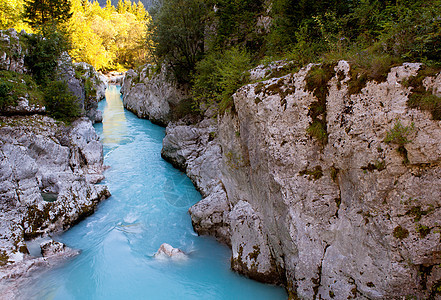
(351, 218)
(166, 250)
(151, 94)
(47, 176)
(195, 149)
(12, 53)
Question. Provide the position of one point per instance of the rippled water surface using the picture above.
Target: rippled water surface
(148, 207)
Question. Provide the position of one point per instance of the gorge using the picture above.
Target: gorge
(349, 217)
(148, 207)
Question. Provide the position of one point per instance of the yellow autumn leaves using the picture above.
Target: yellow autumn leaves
(108, 38)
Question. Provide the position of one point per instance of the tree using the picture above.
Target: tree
(41, 13)
(178, 34)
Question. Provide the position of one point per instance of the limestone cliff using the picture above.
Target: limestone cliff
(47, 179)
(354, 214)
(151, 94)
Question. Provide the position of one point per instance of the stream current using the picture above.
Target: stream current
(148, 207)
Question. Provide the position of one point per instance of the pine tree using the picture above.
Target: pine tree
(127, 6)
(120, 7)
(40, 13)
(140, 13)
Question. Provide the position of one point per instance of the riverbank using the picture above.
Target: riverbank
(148, 207)
(318, 184)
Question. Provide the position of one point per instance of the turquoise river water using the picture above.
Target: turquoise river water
(148, 207)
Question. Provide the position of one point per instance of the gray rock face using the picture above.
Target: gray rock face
(350, 219)
(85, 83)
(24, 108)
(115, 78)
(47, 173)
(12, 53)
(195, 150)
(150, 94)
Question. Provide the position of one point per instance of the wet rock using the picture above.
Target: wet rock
(50, 248)
(166, 250)
(210, 216)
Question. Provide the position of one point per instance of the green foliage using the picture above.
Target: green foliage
(334, 173)
(418, 213)
(109, 38)
(14, 86)
(412, 30)
(11, 15)
(399, 134)
(236, 24)
(178, 35)
(6, 97)
(422, 230)
(219, 76)
(317, 82)
(310, 30)
(367, 66)
(400, 232)
(314, 174)
(420, 97)
(60, 103)
(43, 55)
(185, 108)
(232, 70)
(41, 13)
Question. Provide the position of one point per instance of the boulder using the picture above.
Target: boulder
(167, 251)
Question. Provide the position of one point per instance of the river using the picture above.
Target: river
(148, 207)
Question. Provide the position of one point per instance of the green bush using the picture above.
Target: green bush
(399, 134)
(61, 104)
(219, 76)
(14, 86)
(43, 56)
(422, 98)
(6, 97)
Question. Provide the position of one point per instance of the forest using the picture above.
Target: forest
(210, 44)
(108, 37)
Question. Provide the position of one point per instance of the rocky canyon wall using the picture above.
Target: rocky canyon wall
(355, 215)
(151, 94)
(350, 210)
(49, 170)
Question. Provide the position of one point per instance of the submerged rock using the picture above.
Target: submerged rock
(166, 250)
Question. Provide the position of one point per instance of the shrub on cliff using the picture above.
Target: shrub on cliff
(60, 103)
(14, 86)
(218, 76)
(44, 53)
